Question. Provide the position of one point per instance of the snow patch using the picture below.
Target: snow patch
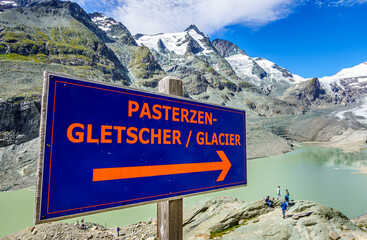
(359, 112)
(104, 22)
(358, 72)
(276, 74)
(198, 38)
(174, 42)
(14, 4)
(242, 65)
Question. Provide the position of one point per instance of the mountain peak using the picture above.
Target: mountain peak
(115, 30)
(226, 48)
(96, 14)
(195, 28)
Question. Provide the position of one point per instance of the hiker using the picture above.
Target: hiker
(287, 193)
(284, 207)
(286, 199)
(278, 193)
(82, 222)
(77, 223)
(268, 201)
(118, 230)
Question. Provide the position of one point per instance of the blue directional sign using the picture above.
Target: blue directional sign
(104, 146)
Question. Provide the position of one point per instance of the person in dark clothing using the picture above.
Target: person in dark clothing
(82, 224)
(268, 201)
(286, 199)
(284, 208)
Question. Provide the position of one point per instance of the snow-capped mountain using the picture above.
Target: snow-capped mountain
(103, 22)
(116, 31)
(262, 73)
(184, 53)
(181, 43)
(7, 2)
(189, 55)
(347, 85)
(220, 64)
(226, 58)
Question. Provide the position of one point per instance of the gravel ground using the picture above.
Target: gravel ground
(142, 230)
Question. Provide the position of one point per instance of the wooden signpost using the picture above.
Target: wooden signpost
(170, 212)
(105, 146)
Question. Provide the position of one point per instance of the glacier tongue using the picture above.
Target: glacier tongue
(242, 65)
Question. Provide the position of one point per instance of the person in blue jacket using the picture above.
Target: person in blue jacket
(284, 207)
(286, 199)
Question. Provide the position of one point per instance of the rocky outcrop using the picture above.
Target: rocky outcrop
(228, 218)
(308, 93)
(361, 222)
(116, 31)
(139, 61)
(222, 218)
(265, 144)
(18, 165)
(226, 48)
(258, 71)
(19, 120)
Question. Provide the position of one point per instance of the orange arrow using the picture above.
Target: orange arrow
(104, 174)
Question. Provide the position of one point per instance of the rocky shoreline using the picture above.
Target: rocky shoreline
(348, 141)
(223, 218)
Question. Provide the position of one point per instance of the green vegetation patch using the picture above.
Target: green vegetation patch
(72, 45)
(220, 233)
(140, 57)
(15, 57)
(142, 63)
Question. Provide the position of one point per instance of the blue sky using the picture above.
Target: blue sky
(313, 41)
(311, 38)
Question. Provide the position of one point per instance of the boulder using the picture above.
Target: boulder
(228, 218)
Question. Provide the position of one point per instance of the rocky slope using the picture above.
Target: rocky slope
(308, 93)
(144, 71)
(53, 35)
(224, 218)
(228, 218)
(361, 222)
(35, 36)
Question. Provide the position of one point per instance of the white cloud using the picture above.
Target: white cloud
(156, 16)
(352, 2)
(338, 3)
(147, 16)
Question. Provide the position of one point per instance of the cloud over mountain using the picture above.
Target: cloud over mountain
(151, 17)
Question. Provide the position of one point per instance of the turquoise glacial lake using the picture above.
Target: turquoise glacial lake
(324, 175)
